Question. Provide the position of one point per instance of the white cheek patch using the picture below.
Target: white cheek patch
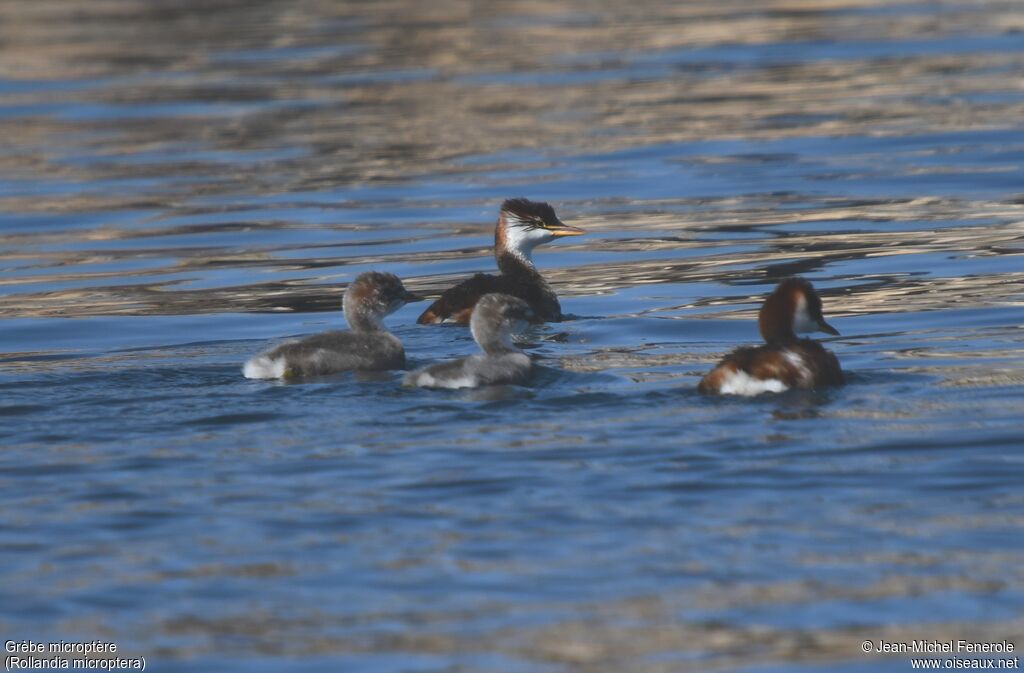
(802, 320)
(742, 383)
(523, 240)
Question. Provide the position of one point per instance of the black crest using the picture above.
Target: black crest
(524, 209)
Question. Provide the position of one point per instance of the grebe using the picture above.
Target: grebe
(367, 346)
(522, 226)
(495, 318)
(785, 361)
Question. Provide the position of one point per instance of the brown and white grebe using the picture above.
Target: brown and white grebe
(785, 361)
(522, 226)
(367, 346)
(495, 318)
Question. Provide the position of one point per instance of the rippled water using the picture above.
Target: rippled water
(182, 184)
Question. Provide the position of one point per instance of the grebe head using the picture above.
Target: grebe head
(793, 307)
(496, 317)
(372, 296)
(525, 224)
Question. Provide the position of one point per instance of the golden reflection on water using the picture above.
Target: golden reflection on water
(296, 80)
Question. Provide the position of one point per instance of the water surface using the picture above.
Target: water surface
(183, 185)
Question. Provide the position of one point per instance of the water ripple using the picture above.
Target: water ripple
(184, 183)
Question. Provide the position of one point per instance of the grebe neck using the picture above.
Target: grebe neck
(775, 320)
(492, 340)
(361, 318)
(513, 251)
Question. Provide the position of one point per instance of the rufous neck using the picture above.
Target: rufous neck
(512, 263)
(510, 249)
(775, 323)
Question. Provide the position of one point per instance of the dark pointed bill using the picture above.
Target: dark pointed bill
(411, 297)
(826, 328)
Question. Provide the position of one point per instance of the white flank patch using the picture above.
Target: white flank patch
(428, 380)
(461, 382)
(742, 383)
(262, 367)
(797, 361)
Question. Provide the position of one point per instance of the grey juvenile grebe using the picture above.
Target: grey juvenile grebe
(495, 318)
(522, 226)
(368, 346)
(785, 361)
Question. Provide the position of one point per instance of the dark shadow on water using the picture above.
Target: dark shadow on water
(234, 419)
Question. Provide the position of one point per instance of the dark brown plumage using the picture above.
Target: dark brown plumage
(785, 361)
(819, 366)
(522, 225)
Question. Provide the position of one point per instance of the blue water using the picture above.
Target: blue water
(181, 187)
